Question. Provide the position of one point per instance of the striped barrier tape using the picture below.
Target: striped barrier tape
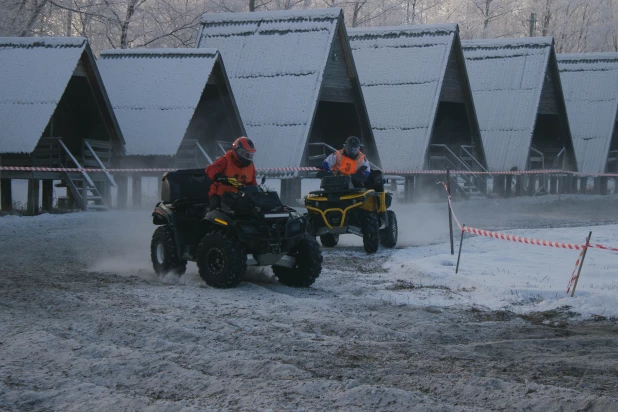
(301, 169)
(520, 239)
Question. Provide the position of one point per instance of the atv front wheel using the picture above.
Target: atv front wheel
(307, 267)
(221, 261)
(163, 252)
(388, 235)
(371, 233)
(329, 240)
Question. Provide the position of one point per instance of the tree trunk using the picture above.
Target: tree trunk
(35, 15)
(251, 5)
(124, 43)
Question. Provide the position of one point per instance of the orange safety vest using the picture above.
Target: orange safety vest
(242, 174)
(347, 165)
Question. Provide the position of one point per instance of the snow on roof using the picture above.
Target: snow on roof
(34, 73)
(590, 84)
(275, 62)
(277, 15)
(154, 93)
(506, 77)
(401, 70)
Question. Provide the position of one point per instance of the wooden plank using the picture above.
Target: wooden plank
(336, 94)
(452, 86)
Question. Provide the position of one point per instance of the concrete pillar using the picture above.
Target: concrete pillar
(508, 192)
(291, 191)
(48, 195)
(597, 186)
(137, 191)
(553, 185)
(531, 185)
(33, 197)
(122, 195)
(583, 182)
(519, 185)
(6, 195)
(574, 183)
(603, 186)
(408, 189)
(499, 185)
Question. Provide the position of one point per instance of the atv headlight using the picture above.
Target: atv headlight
(295, 227)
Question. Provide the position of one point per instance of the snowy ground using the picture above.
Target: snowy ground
(86, 325)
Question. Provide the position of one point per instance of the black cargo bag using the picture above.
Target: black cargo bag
(189, 184)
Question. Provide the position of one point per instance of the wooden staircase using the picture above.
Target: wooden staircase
(52, 152)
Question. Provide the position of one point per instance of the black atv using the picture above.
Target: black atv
(252, 228)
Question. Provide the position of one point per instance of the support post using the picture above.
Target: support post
(508, 186)
(499, 183)
(137, 191)
(290, 190)
(597, 186)
(460, 245)
(450, 213)
(553, 183)
(33, 197)
(122, 195)
(603, 186)
(581, 264)
(519, 183)
(408, 189)
(48, 195)
(6, 195)
(583, 185)
(532, 185)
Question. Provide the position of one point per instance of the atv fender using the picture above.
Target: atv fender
(162, 215)
(214, 220)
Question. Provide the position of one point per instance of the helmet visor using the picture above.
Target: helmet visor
(352, 150)
(245, 154)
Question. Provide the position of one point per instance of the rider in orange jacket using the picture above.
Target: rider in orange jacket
(349, 160)
(232, 170)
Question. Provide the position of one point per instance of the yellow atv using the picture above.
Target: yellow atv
(345, 204)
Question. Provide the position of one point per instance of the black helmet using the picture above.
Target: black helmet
(352, 146)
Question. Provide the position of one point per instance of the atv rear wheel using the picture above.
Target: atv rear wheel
(371, 233)
(388, 235)
(329, 240)
(221, 261)
(307, 267)
(163, 252)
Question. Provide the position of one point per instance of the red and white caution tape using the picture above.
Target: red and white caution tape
(300, 169)
(520, 239)
(450, 204)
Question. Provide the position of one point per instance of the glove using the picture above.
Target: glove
(360, 176)
(232, 181)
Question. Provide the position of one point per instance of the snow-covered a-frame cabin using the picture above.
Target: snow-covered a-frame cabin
(55, 113)
(519, 104)
(175, 107)
(419, 100)
(295, 82)
(590, 82)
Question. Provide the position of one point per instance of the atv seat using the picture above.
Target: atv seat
(185, 186)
